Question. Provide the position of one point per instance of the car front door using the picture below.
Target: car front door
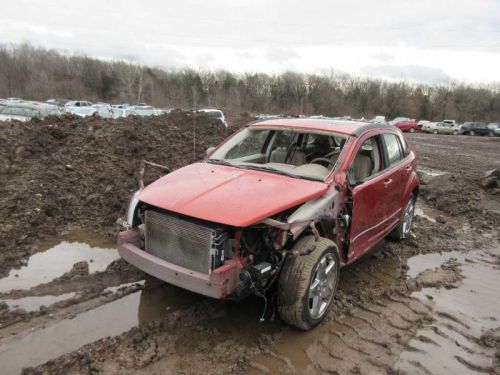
(368, 185)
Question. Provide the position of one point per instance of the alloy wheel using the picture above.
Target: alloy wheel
(322, 286)
(408, 217)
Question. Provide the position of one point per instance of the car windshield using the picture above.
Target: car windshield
(299, 154)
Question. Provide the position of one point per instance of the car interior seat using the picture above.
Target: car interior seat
(362, 167)
(279, 155)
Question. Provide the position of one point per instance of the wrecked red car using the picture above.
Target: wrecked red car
(278, 207)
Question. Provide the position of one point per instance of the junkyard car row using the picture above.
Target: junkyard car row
(25, 110)
(283, 204)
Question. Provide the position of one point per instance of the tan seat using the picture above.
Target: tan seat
(362, 167)
(279, 155)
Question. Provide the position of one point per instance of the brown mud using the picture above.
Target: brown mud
(424, 305)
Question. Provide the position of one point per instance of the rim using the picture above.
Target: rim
(322, 286)
(408, 217)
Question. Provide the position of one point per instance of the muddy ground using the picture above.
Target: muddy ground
(427, 305)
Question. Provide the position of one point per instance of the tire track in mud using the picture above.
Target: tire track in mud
(373, 320)
(424, 331)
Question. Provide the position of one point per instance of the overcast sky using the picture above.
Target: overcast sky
(426, 40)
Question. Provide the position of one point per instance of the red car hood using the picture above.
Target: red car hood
(228, 195)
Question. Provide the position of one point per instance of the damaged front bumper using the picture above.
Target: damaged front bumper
(219, 284)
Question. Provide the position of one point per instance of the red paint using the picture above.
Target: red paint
(228, 195)
(406, 125)
(335, 126)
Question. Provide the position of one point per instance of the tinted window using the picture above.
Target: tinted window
(393, 148)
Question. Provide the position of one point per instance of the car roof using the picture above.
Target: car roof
(347, 127)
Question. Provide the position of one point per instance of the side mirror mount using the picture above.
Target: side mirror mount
(210, 150)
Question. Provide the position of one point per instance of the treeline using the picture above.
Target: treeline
(36, 73)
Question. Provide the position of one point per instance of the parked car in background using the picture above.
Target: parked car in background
(406, 125)
(215, 113)
(450, 122)
(445, 128)
(378, 120)
(78, 103)
(397, 119)
(25, 111)
(475, 128)
(494, 128)
(263, 116)
(57, 102)
(429, 127)
(282, 203)
(122, 105)
(421, 123)
(84, 111)
(140, 110)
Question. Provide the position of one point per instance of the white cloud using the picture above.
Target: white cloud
(430, 39)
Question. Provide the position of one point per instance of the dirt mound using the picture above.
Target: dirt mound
(72, 171)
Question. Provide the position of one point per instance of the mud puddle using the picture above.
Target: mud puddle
(387, 334)
(156, 301)
(67, 335)
(52, 262)
(33, 303)
(461, 316)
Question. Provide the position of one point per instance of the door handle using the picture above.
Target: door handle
(388, 182)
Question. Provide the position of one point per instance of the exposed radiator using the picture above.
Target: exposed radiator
(184, 243)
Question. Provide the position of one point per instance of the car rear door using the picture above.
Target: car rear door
(397, 169)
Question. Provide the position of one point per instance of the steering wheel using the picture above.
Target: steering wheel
(322, 160)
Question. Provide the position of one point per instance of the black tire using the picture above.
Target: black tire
(472, 132)
(296, 278)
(400, 232)
(491, 134)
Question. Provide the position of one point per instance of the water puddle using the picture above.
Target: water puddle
(420, 213)
(461, 315)
(110, 319)
(430, 172)
(49, 264)
(33, 303)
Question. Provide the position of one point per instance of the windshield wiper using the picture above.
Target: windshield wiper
(269, 169)
(221, 162)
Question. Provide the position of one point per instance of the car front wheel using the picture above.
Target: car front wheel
(308, 283)
(412, 130)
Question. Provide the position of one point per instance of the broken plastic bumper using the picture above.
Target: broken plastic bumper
(218, 284)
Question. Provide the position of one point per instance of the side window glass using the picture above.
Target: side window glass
(367, 161)
(404, 146)
(393, 149)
